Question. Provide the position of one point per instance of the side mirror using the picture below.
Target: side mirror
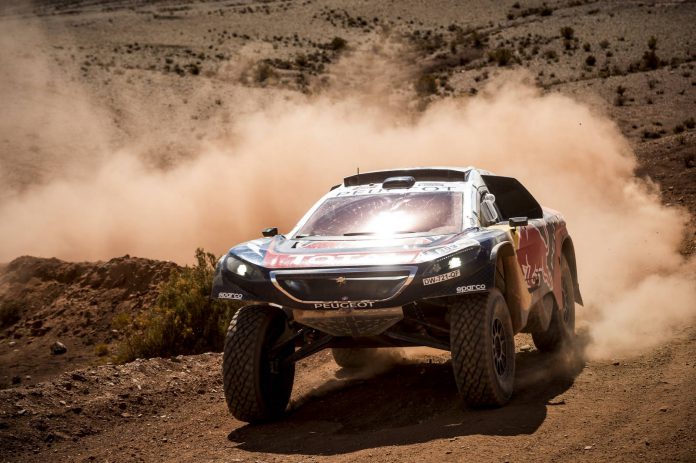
(270, 232)
(490, 215)
(518, 222)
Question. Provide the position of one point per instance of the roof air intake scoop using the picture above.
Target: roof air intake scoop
(398, 182)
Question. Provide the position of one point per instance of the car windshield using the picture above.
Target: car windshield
(436, 213)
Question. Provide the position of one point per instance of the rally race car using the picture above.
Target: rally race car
(455, 259)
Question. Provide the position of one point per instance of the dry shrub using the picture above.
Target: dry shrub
(101, 350)
(426, 85)
(502, 56)
(185, 319)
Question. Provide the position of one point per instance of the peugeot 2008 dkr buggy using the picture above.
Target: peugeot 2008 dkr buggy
(454, 259)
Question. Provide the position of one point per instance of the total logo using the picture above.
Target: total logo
(470, 288)
(344, 305)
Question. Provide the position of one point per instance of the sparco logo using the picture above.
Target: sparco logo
(229, 296)
(344, 305)
(467, 289)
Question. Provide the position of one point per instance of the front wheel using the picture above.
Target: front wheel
(257, 384)
(483, 349)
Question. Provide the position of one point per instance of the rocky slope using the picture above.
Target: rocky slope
(81, 305)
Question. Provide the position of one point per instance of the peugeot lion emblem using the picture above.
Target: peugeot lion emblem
(341, 281)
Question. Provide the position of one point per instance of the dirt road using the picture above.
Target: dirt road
(173, 410)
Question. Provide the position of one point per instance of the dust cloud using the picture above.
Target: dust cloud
(282, 155)
(48, 126)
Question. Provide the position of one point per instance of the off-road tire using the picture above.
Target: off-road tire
(353, 357)
(257, 388)
(561, 330)
(483, 349)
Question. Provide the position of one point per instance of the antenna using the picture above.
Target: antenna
(358, 175)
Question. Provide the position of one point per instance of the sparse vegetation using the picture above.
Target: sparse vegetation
(689, 160)
(690, 123)
(185, 320)
(101, 350)
(337, 44)
(478, 40)
(590, 60)
(620, 99)
(263, 72)
(551, 55)
(567, 33)
(650, 60)
(650, 134)
(543, 10)
(426, 85)
(502, 56)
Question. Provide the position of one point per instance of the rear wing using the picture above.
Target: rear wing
(420, 175)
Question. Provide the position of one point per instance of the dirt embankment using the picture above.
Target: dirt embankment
(45, 301)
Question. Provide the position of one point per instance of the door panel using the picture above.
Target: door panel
(535, 255)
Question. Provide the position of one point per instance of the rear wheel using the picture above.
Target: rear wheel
(483, 349)
(561, 330)
(353, 357)
(257, 383)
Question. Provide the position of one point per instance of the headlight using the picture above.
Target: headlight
(454, 262)
(459, 259)
(242, 269)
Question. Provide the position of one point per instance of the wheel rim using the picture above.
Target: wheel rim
(499, 347)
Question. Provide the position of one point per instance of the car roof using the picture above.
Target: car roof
(420, 174)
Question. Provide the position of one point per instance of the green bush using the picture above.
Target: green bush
(185, 320)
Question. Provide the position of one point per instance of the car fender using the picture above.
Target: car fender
(516, 294)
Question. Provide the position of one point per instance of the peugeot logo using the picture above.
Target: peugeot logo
(341, 281)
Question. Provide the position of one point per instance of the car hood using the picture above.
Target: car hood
(281, 253)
